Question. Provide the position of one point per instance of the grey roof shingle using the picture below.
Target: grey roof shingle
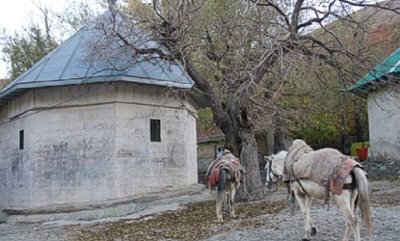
(76, 62)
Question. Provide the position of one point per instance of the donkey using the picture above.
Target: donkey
(324, 173)
(225, 173)
(273, 169)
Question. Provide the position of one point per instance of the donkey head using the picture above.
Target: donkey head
(270, 177)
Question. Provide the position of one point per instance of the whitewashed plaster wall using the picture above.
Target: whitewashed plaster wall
(91, 143)
(384, 123)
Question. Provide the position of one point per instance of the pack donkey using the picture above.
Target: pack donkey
(273, 168)
(225, 173)
(326, 173)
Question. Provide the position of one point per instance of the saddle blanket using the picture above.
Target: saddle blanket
(328, 167)
(227, 161)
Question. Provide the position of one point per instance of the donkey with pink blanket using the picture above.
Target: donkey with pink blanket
(225, 173)
(326, 173)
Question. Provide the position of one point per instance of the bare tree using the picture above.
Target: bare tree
(232, 48)
(27, 46)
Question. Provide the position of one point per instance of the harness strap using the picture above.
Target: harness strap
(298, 181)
(305, 150)
(270, 170)
(270, 167)
(348, 186)
(353, 184)
(301, 186)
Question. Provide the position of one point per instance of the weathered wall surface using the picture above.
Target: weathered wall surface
(205, 155)
(92, 143)
(206, 150)
(153, 165)
(384, 124)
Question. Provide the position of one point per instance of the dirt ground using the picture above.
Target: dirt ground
(271, 219)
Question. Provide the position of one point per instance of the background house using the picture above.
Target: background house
(209, 146)
(382, 88)
(211, 143)
(77, 129)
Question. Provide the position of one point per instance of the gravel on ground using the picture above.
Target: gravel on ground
(270, 219)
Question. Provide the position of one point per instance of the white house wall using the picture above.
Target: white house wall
(154, 165)
(92, 143)
(384, 123)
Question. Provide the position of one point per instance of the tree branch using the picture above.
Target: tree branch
(317, 19)
(376, 5)
(277, 9)
(295, 16)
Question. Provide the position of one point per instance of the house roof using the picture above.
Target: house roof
(78, 60)
(380, 74)
(212, 135)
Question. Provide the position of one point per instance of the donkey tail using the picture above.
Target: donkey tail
(363, 198)
(223, 177)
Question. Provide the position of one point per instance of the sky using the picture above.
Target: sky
(15, 14)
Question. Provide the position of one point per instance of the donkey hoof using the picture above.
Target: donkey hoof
(313, 231)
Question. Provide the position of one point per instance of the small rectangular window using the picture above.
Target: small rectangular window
(21, 139)
(218, 150)
(155, 130)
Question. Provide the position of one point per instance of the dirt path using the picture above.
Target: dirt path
(271, 219)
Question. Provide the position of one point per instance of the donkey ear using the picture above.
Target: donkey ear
(268, 158)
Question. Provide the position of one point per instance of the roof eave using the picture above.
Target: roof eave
(12, 91)
(372, 85)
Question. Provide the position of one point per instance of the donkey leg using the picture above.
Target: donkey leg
(232, 193)
(290, 193)
(218, 206)
(352, 225)
(347, 232)
(304, 203)
(309, 223)
(225, 206)
(308, 203)
(353, 197)
(347, 208)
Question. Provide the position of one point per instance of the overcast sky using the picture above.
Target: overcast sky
(14, 14)
(17, 13)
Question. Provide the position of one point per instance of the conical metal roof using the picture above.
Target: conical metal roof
(94, 55)
(380, 74)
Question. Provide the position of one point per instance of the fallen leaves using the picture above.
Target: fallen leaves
(192, 223)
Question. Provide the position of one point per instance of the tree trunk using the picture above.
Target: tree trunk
(270, 141)
(279, 138)
(232, 118)
(359, 129)
(253, 188)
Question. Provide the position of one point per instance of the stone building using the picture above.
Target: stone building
(79, 129)
(382, 90)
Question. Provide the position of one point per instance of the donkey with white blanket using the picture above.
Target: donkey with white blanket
(324, 173)
(226, 174)
(273, 168)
